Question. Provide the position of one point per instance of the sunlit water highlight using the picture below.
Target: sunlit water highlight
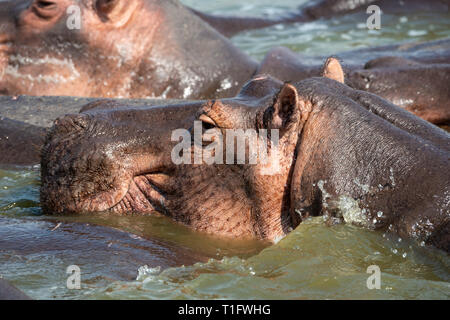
(152, 257)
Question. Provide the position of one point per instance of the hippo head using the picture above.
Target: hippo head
(121, 160)
(106, 48)
(185, 161)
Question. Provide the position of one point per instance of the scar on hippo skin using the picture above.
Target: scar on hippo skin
(101, 104)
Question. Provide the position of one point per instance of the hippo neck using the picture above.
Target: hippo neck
(333, 161)
(350, 159)
(189, 59)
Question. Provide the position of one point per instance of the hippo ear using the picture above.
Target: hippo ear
(284, 111)
(333, 70)
(115, 11)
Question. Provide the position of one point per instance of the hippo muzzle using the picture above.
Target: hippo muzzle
(108, 160)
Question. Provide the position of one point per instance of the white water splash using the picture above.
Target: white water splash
(391, 176)
(145, 271)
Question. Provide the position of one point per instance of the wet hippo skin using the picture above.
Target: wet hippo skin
(339, 147)
(123, 49)
(9, 292)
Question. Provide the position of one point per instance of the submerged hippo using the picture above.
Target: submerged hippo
(159, 48)
(343, 153)
(9, 292)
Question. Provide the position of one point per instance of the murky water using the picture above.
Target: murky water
(170, 261)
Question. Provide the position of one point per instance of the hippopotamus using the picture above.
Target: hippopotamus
(316, 9)
(346, 154)
(154, 48)
(128, 49)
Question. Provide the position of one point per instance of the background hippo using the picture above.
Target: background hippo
(411, 76)
(138, 48)
(344, 153)
(151, 48)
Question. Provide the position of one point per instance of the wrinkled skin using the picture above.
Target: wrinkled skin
(156, 48)
(313, 10)
(337, 145)
(129, 49)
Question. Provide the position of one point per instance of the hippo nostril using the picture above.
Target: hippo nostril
(71, 123)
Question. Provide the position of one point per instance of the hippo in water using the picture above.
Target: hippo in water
(343, 153)
(123, 48)
(159, 48)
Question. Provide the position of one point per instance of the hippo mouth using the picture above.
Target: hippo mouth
(138, 194)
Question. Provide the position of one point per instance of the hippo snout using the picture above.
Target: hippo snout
(78, 172)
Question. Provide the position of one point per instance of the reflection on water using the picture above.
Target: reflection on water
(314, 261)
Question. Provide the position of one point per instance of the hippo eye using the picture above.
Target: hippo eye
(44, 9)
(207, 122)
(45, 4)
(105, 6)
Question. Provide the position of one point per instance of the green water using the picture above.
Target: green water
(314, 261)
